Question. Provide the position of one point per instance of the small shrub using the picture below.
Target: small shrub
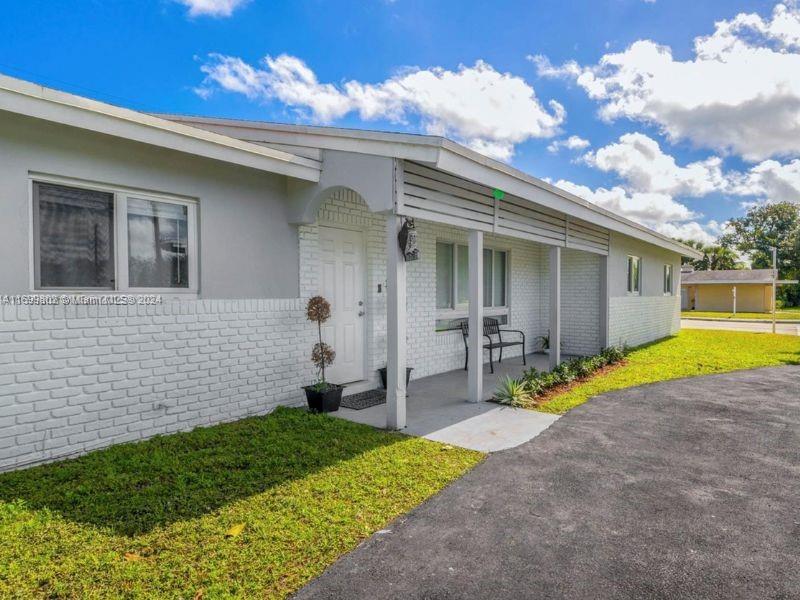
(564, 372)
(614, 354)
(583, 367)
(512, 392)
(536, 383)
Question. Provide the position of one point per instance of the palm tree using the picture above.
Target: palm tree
(722, 258)
(715, 257)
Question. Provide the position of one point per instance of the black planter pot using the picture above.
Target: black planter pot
(382, 371)
(327, 400)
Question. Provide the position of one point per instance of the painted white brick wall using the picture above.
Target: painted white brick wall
(77, 378)
(580, 302)
(429, 351)
(635, 320)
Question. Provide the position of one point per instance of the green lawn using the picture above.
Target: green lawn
(690, 353)
(149, 520)
(782, 314)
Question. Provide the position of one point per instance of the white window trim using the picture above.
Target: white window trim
(628, 286)
(121, 195)
(671, 291)
(460, 311)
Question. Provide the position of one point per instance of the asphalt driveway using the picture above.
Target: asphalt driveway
(684, 489)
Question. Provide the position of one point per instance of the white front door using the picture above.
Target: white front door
(341, 278)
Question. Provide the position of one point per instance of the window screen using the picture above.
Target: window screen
(74, 237)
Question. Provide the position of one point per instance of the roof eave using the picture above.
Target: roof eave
(467, 163)
(31, 100)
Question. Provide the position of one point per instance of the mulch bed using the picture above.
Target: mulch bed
(560, 389)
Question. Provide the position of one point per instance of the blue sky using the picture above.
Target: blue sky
(677, 135)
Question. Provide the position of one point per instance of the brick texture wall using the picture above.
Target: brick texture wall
(73, 379)
(77, 378)
(635, 320)
(429, 351)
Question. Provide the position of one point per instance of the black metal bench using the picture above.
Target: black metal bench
(494, 335)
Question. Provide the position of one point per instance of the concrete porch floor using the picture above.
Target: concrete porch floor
(436, 409)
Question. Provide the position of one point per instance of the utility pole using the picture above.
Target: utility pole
(734, 301)
(774, 284)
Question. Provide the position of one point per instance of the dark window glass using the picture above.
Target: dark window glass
(74, 231)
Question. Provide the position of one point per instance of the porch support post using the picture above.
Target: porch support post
(475, 366)
(603, 337)
(395, 326)
(555, 306)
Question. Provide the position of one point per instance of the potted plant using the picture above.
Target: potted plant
(544, 340)
(322, 396)
(382, 373)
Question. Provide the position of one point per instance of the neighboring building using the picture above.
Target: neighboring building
(233, 225)
(737, 290)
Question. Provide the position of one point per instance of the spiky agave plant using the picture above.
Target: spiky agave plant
(512, 392)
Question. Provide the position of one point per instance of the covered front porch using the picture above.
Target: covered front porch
(436, 410)
(482, 253)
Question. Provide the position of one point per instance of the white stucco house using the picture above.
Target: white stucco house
(203, 239)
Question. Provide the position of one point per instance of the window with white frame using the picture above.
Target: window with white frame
(634, 275)
(667, 280)
(89, 238)
(452, 282)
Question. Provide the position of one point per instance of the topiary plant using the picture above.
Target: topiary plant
(318, 310)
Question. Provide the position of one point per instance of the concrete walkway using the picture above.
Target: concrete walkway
(683, 489)
(752, 326)
(437, 409)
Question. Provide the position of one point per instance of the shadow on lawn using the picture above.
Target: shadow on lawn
(133, 488)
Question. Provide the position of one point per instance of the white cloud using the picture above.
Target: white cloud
(688, 231)
(771, 181)
(649, 209)
(479, 106)
(655, 210)
(740, 92)
(573, 142)
(645, 167)
(212, 8)
(639, 160)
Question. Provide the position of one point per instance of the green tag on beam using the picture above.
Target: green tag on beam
(498, 194)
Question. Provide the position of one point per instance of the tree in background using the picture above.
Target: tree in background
(715, 257)
(767, 225)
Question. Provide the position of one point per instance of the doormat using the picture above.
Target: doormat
(364, 400)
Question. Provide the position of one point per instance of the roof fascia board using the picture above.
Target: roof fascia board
(489, 172)
(35, 101)
(446, 155)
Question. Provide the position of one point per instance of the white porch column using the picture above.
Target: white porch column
(604, 317)
(555, 306)
(395, 326)
(475, 365)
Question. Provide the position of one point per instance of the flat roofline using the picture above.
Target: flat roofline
(29, 99)
(442, 144)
